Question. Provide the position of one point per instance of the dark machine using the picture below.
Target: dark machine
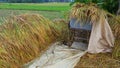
(79, 31)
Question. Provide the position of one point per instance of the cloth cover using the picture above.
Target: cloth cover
(101, 39)
(58, 56)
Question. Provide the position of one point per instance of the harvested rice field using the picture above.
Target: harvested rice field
(48, 14)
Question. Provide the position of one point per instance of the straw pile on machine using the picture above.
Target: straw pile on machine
(92, 14)
(25, 37)
(87, 12)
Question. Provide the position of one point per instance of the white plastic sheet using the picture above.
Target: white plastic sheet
(59, 56)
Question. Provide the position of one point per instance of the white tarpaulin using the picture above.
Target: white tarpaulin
(59, 56)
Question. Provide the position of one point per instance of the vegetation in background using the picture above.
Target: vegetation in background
(5, 14)
(109, 5)
(34, 1)
(32, 6)
(49, 10)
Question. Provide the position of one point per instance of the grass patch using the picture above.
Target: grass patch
(36, 6)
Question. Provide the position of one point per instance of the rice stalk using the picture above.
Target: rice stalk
(25, 37)
(63, 28)
(115, 25)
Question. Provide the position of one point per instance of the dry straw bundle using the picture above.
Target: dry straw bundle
(63, 28)
(24, 37)
(115, 24)
(87, 12)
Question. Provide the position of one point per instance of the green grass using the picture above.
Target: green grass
(36, 6)
(49, 10)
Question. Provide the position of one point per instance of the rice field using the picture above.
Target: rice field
(49, 10)
(36, 6)
(5, 13)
